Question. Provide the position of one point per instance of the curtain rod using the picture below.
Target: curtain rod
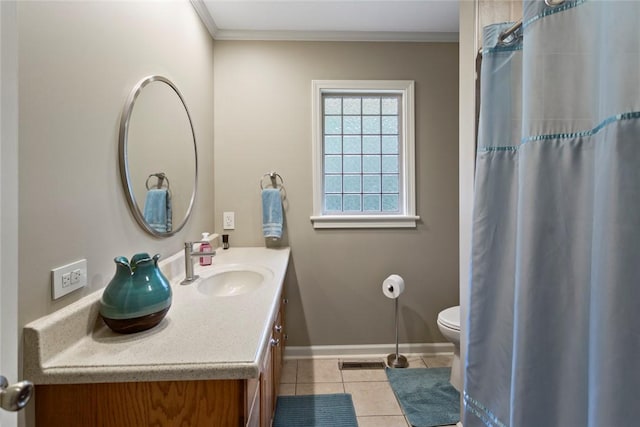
(509, 31)
(518, 25)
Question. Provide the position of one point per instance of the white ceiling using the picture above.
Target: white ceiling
(408, 20)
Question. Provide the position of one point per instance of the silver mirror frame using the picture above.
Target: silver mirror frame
(123, 158)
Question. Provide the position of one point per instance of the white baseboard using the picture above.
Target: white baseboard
(366, 351)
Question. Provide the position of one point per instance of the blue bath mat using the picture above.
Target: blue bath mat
(426, 396)
(319, 410)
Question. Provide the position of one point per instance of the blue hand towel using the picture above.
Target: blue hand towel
(271, 213)
(157, 210)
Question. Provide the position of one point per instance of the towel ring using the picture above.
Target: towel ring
(273, 176)
(161, 179)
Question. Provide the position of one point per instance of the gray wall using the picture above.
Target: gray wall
(263, 123)
(78, 62)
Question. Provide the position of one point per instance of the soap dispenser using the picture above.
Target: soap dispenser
(205, 246)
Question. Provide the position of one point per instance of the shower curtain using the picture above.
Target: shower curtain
(553, 327)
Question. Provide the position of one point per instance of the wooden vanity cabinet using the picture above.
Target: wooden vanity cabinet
(210, 403)
(272, 369)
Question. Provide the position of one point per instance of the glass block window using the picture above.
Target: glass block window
(361, 169)
(363, 154)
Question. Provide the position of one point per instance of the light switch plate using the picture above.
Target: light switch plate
(68, 278)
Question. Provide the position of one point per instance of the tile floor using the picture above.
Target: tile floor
(373, 398)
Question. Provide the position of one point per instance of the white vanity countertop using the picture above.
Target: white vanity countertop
(202, 337)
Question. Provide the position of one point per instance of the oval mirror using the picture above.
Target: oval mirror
(158, 156)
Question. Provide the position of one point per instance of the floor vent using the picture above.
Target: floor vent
(344, 366)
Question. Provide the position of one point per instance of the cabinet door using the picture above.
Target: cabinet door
(207, 403)
(267, 398)
(277, 351)
(271, 370)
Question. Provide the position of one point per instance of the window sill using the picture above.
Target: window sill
(364, 221)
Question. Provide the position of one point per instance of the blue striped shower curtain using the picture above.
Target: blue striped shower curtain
(554, 312)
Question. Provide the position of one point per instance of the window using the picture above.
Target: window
(363, 149)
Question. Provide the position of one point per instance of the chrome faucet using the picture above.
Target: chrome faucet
(188, 261)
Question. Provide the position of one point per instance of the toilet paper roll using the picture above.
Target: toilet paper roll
(393, 286)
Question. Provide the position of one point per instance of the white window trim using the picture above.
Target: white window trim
(408, 217)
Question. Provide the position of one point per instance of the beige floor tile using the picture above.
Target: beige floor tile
(438, 361)
(358, 375)
(386, 421)
(287, 390)
(373, 398)
(318, 371)
(289, 372)
(416, 362)
(319, 388)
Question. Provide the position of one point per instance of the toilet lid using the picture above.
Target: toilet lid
(450, 318)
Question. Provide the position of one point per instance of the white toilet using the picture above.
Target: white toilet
(449, 325)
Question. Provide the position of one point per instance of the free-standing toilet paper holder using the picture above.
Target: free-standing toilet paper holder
(396, 360)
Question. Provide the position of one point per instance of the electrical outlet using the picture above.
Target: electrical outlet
(68, 278)
(228, 220)
(76, 275)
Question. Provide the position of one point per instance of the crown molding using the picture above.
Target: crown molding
(205, 17)
(355, 36)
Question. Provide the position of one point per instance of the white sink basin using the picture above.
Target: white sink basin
(236, 279)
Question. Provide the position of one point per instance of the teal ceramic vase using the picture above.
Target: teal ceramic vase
(137, 297)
